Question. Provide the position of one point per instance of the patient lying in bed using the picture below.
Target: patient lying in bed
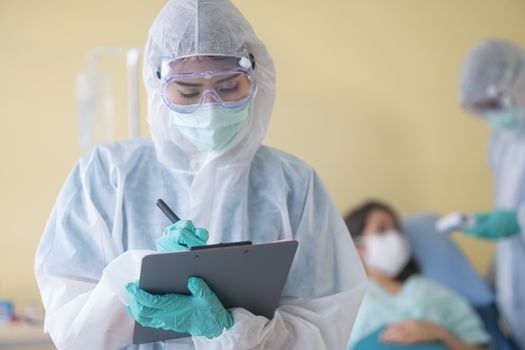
(401, 307)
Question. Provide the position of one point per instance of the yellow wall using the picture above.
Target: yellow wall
(366, 94)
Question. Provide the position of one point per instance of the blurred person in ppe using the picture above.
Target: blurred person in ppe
(210, 85)
(492, 88)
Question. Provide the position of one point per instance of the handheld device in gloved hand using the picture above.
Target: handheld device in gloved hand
(454, 221)
(495, 224)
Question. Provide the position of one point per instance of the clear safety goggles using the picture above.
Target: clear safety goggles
(493, 101)
(190, 82)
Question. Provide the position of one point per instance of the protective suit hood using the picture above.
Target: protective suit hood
(187, 28)
(492, 69)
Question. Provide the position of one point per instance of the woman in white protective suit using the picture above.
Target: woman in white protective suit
(211, 87)
(492, 86)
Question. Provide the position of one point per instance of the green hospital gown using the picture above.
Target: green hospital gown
(419, 299)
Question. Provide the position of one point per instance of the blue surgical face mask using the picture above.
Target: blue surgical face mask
(211, 128)
(508, 119)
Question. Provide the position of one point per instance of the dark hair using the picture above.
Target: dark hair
(356, 221)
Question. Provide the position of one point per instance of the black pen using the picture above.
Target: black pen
(167, 211)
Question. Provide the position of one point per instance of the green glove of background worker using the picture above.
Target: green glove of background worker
(181, 236)
(200, 314)
(495, 224)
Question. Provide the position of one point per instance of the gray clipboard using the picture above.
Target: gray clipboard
(247, 276)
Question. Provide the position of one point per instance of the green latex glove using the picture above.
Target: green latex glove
(200, 314)
(181, 236)
(495, 224)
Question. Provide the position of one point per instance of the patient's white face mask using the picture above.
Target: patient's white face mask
(387, 253)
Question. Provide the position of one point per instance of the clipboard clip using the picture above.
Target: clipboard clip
(221, 245)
